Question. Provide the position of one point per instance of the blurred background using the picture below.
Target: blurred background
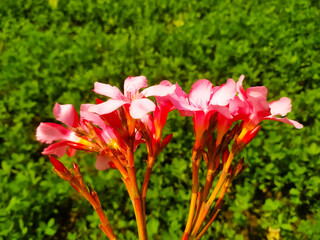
(54, 50)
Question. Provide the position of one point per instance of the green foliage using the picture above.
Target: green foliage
(54, 50)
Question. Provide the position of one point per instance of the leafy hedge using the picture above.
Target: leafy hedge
(54, 50)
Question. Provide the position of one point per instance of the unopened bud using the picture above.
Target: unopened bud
(95, 195)
(239, 166)
(235, 130)
(166, 141)
(251, 134)
(77, 174)
(58, 165)
(76, 168)
(225, 156)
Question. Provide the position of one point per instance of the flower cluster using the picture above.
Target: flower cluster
(113, 130)
(110, 128)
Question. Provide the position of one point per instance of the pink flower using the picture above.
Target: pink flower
(256, 107)
(251, 105)
(51, 132)
(203, 101)
(66, 139)
(154, 123)
(136, 101)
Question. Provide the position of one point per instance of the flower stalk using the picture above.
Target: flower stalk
(115, 128)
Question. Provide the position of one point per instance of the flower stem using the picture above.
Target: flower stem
(105, 225)
(216, 209)
(144, 188)
(194, 192)
(136, 197)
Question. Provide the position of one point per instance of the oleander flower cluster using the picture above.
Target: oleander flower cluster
(226, 118)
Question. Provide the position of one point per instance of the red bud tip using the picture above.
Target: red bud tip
(225, 156)
(251, 134)
(75, 167)
(58, 165)
(166, 140)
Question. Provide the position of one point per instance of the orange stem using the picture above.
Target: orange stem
(135, 197)
(216, 209)
(196, 156)
(105, 225)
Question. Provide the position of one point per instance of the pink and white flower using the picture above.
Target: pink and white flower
(137, 102)
(203, 101)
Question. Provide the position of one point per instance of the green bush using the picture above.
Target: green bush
(54, 50)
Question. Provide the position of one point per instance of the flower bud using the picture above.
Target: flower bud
(58, 165)
(251, 134)
(166, 141)
(225, 156)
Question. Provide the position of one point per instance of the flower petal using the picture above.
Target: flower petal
(287, 121)
(102, 163)
(200, 93)
(141, 107)
(221, 109)
(107, 107)
(240, 89)
(49, 132)
(108, 90)
(132, 85)
(257, 97)
(280, 107)
(58, 149)
(238, 107)
(66, 114)
(224, 93)
(158, 90)
(180, 100)
(257, 92)
(107, 132)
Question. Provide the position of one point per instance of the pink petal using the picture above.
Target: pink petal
(200, 93)
(58, 149)
(91, 116)
(102, 163)
(240, 89)
(158, 91)
(66, 114)
(148, 121)
(287, 121)
(166, 83)
(238, 107)
(221, 109)
(257, 92)
(108, 90)
(133, 84)
(141, 107)
(280, 107)
(224, 94)
(107, 107)
(260, 106)
(49, 132)
(180, 100)
(71, 151)
(257, 97)
(107, 132)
